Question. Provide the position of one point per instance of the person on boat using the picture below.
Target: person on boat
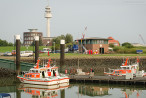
(92, 70)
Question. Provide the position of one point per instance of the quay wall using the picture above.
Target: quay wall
(98, 64)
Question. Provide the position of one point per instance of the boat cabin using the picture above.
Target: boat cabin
(42, 72)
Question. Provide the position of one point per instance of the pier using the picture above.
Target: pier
(107, 79)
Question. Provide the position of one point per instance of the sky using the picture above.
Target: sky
(124, 20)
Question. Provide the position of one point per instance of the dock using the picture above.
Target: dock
(107, 79)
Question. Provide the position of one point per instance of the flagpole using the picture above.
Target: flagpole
(85, 38)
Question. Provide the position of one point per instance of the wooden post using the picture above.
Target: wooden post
(62, 93)
(62, 47)
(17, 54)
(36, 48)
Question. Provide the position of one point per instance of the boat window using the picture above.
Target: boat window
(36, 71)
(123, 67)
(33, 71)
(127, 67)
(48, 70)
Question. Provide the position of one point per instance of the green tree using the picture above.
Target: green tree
(111, 45)
(68, 38)
(10, 44)
(127, 45)
(5, 43)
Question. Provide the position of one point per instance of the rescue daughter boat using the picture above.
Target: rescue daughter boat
(45, 75)
(125, 68)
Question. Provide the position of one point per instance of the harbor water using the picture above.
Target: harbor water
(73, 90)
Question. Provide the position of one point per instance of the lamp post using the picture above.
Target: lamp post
(48, 43)
(54, 47)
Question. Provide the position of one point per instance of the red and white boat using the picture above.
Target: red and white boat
(45, 75)
(125, 68)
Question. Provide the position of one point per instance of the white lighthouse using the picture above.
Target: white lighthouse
(48, 15)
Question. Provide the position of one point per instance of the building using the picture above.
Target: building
(137, 45)
(113, 41)
(47, 41)
(28, 37)
(95, 44)
(48, 15)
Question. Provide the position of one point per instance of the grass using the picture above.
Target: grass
(23, 48)
(67, 55)
(75, 55)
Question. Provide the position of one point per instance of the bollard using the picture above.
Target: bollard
(62, 47)
(17, 54)
(36, 48)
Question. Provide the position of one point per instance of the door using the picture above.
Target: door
(101, 50)
(43, 74)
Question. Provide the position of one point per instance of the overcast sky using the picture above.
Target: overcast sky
(124, 20)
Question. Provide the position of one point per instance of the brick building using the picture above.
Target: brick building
(28, 37)
(47, 41)
(94, 43)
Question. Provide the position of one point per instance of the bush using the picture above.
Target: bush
(127, 45)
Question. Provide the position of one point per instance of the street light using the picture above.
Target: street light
(54, 47)
(48, 43)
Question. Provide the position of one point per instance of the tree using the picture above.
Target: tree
(68, 38)
(111, 45)
(5, 43)
(127, 45)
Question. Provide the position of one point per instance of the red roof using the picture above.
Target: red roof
(112, 40)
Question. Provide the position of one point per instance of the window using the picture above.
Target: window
(98, 42)
(36, 71)
(105, 42)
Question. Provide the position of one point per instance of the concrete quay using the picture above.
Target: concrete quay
(107, 79)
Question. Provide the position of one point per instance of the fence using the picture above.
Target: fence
(8, 67)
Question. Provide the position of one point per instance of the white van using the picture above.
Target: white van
(26, 53)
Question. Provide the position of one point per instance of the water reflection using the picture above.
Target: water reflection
(9, 85)
(129, 92)
(40, 91)
(91, 90)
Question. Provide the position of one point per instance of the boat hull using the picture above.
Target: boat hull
(44, 81)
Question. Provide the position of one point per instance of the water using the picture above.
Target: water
(73, 90)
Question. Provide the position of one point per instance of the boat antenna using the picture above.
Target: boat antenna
(48, 65)
(37, 64)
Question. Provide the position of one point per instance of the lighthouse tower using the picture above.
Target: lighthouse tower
(48, 15)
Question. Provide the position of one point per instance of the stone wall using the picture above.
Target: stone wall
(98, 64)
